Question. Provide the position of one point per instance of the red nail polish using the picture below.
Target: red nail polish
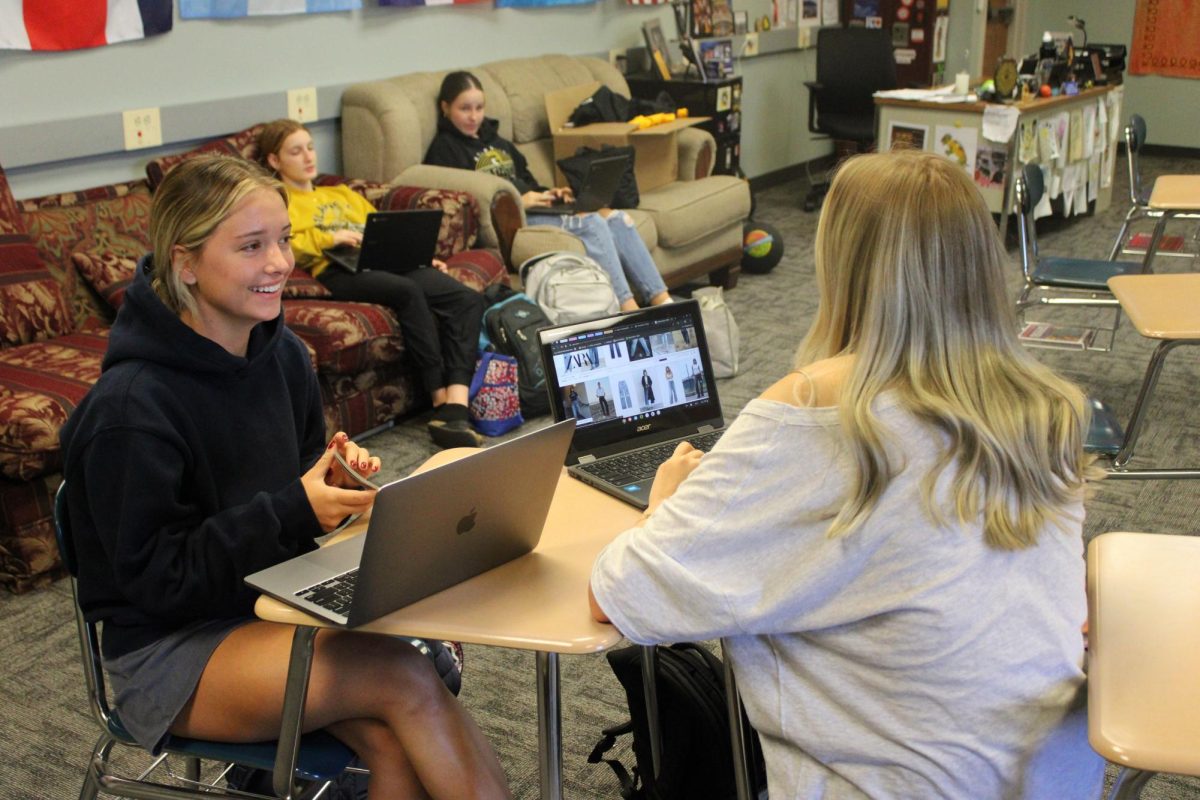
(331, 444)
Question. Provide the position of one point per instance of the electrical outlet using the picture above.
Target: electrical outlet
(143, 128)
(751, 46)
(804, 36)
(302, 104)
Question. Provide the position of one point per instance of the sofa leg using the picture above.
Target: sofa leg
(725, 277)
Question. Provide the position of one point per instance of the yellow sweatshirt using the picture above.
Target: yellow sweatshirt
(316, 215)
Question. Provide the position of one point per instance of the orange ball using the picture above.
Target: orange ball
(1045, 90)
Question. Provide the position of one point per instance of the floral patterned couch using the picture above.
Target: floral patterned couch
(65, 261)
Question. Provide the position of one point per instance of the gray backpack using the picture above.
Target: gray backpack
(569, 287)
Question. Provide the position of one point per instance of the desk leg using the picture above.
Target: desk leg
(294, 696)
(549, 726)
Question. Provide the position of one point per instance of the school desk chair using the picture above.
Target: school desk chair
(1140, 206)
(316, 757)
(1143, 648)
(1058, 281)
(1165, 308)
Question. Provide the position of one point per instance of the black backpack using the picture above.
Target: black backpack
(512, 325)
(693, 720)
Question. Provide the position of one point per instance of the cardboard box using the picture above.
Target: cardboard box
(656, 151)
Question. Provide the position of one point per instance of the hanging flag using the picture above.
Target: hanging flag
(539, 3)
(76, 24)
(199, 9)
(414, 3)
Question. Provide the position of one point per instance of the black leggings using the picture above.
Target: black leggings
(438, 316)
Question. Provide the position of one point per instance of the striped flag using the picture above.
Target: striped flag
(414, 3)
(198, 9)
(76, 24)
(539, 3)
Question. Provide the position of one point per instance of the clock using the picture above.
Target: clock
(1005, 78)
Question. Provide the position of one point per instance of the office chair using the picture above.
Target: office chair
(319, 757)
(852, 64)
(1056, 280)
(1143, 698)
(1139, 204)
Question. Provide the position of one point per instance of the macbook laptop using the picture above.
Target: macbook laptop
(428, 532)
(636, 384)
(393, 241)
(600, 184)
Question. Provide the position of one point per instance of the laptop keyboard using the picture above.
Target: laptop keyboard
(638, 465)
(334, 594)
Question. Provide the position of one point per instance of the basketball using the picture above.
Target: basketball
(762, 247)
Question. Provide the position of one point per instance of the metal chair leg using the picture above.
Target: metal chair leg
(191, 769)
(1119, 244)
(1136, 420)
(286, 753)
(650, 690)
(95, 767)
(1129, 784)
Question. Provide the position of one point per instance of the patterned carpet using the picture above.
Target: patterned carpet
(44, 721)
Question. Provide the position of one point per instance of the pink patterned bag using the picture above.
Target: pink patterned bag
(495, 404)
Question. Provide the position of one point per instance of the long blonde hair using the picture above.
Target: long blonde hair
(910, 271)
(194, 198)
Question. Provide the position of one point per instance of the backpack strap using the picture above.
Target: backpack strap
(629, 783)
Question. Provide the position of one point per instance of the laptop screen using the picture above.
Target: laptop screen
(640, 375)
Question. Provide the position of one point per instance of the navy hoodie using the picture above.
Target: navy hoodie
(183, 469)
(489, 152)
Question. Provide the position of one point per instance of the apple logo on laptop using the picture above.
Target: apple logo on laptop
(466, 523)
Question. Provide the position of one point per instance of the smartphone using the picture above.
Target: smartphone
(364, 481)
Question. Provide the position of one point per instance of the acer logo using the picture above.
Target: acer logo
(645, 427)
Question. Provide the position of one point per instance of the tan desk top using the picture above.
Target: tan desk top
(1032, 105)
(1176, 193)
(1160, 306)
(1143, 696)
(537, 602)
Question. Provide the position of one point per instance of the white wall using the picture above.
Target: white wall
(207, 61)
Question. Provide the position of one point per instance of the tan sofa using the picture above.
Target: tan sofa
(693, 226)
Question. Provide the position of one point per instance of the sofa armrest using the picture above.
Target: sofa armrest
(697, 154)
(534, 240)
(500, 211)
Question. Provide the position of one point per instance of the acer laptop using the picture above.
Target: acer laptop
(428, 532)
(393, 241)
(600, 184)
(636, 384)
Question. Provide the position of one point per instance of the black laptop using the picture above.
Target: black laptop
(600, 184)
(393, 241)
(637, 384)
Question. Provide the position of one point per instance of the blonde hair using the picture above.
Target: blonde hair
(910, 275)
(194, 198)
(272, 136)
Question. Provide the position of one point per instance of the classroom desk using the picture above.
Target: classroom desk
(999, 197)
(537, 602)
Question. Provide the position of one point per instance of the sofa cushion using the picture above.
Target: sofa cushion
(40, 385)
(686, 211)
(32, 305)
(347, 337)
(112, 218)
(301, 284)
(108, 273)
(478, 269)
(243, 144)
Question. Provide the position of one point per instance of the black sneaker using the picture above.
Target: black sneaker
(453, 433)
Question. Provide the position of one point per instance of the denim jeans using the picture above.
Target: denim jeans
(615, 245)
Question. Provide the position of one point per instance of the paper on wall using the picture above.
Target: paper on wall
(1094, 176)
(1089, 131)
(1027, 146)
(1042, 209)
(1047, 142)
(1106, 170)
(957, 144)
(999, 122)
(1062, 125)
(1075, 136)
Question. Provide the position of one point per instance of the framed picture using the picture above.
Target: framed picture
(907, 136)
(702, 18)
(656, 47)
(741, 22)
(714, 57)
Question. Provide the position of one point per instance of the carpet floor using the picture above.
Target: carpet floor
(46, 729)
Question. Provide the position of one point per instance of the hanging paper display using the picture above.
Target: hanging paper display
(957, 144)
(90, 23)
(228, 9)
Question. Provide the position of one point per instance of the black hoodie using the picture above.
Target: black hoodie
(489, 153)
(183, 469)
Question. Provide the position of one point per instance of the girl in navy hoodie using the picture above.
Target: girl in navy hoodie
(200, 457)
(466, 139)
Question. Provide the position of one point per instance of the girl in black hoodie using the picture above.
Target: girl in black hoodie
(200, 457)
(466, 139)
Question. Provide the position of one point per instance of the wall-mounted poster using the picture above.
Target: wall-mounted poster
(940, 28)
(907, 136)
(957, 144)
(989, 165)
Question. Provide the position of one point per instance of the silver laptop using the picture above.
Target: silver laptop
(393, 241)
(428, 532)
(599, 185)
(636, 384)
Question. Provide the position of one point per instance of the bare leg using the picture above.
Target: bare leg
(629, 305)
(438, 396)
(660, 298)
(457, 393)
(378, 693)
